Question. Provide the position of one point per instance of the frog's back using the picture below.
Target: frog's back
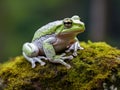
(47, 29)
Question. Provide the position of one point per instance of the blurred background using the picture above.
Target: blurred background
(19, 19)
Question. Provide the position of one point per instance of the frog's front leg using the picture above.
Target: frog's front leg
(30, 52)
(51, 55)
(75, 46)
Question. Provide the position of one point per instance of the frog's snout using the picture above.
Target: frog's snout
(83, 25)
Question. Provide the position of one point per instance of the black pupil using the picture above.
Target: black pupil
(68, 23)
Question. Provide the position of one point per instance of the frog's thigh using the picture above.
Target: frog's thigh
(48, 47)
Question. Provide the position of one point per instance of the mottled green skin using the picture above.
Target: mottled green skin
(50, 28)
(58, 27)
(52, 38)
(97, 67)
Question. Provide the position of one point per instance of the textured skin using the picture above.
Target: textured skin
(39, 43)
(52, 38)
(48, 29)
(59, 45)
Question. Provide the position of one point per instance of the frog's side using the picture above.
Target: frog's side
(52, 38)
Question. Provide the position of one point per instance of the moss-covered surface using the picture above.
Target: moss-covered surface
(97, 67)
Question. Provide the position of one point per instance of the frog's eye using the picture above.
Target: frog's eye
(67, 22)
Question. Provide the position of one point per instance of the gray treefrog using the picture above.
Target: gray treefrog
(53, 38)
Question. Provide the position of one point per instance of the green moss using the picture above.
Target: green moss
(97, 67)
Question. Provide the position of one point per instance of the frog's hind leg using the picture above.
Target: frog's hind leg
(51, 55)
(30, 52)
(60, 59)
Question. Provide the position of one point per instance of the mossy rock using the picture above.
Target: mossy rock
(97, 67)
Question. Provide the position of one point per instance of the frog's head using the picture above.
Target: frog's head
(72, 25)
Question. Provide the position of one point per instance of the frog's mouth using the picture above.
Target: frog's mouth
(72, 32)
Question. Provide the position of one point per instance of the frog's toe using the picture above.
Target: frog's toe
(74, 53)
(63, 54)
(70, 57)
(43, 63)
(80, 48)
(33, 64)
(67, 57)
(68, 50)
(39, 61)
(68, 66)
(42, 57)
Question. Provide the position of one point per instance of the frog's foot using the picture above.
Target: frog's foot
(62, 56)
(33, 60)
(74, 47)
(60, 59)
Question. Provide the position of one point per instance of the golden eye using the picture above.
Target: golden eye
(67, 22)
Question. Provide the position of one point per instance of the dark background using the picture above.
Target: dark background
(19, 19)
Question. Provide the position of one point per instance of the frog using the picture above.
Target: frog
(53, 41)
